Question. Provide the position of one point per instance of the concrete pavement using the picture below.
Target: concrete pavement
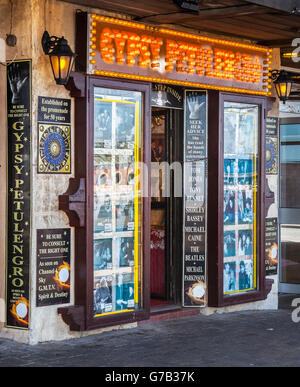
(251, 339)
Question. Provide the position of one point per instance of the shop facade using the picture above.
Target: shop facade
(140, 186)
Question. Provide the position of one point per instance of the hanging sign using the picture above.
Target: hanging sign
(54, 135)
(194, 222)
(53, 267)
(126, 49)
(18, 188)
(166, 96)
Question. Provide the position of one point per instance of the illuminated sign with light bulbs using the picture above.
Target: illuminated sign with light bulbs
(125, 49)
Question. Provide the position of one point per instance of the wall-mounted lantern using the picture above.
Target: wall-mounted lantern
(283, 84)
(61, 57)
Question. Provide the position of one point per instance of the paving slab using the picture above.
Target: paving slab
(241, 339)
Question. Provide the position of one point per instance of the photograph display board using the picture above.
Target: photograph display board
(117, 205)
(240, 197)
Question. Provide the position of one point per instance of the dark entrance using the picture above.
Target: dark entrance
(166, 210)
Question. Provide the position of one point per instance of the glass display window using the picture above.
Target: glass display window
(236, 201)
(107, 203)
(240, 197)
(117, 205)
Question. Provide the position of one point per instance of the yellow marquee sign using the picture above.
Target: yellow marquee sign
(126, 49)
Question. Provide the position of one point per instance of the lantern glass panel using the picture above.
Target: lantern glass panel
(60, 66)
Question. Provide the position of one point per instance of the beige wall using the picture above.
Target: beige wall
(28, 25)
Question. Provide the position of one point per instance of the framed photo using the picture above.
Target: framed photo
(229, 244)
(230, 132)
(229, 171)
(229, 277)
(158, 124)
(102, 172)
(125, 125)
(245, 207)
(102, 254)
(103, 294)
(103, 213)
(124, 170)
(124, 291)
(245, 242)
(103, 124)
(245, 171)
(125, 213)
(158, 146)
(245, 274)
(124, 250)
(229, 208)
(247, 132)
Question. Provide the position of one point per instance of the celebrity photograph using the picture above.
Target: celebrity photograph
(229, 277)
(124, 291)
(245, 274)
(229, 171)
(102, 254)
(124, 248)
(103, 124)
(229, 244)
(102, 213)
(245, 242)
(103, 295)
(125, 213)
(125, 130)
(229, 208)
(245, 207)
(245, 170)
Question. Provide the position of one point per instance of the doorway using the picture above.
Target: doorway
(166, 210)
(289, 211)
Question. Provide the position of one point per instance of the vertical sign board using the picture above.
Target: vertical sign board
(18, 197)
(271, 235)
(54, 135)
(194, 222)
(271, 257)
(272, 145)
(53, 267)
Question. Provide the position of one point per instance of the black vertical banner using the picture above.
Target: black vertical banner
(194, 222)
(272, 124)
(18, 196)
(271, 252)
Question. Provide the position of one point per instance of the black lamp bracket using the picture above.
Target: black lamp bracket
(275, 74)
(49, 42)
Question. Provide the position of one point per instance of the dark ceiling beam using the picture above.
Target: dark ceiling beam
(204, 14)
(129, 7)
(279, 5)
(276, 43)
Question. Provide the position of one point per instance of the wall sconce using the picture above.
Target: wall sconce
(283, 84)
(60, 55)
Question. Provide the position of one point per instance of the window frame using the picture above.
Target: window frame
(81, 315)
(215, 225)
